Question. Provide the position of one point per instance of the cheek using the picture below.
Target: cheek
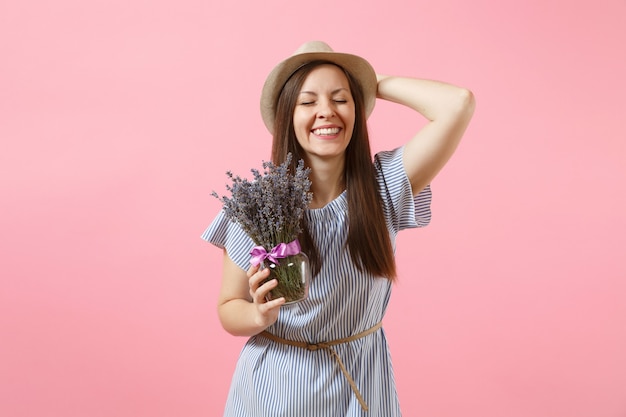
(350, 120)
(300, 124)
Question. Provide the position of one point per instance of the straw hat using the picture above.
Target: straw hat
(358, 67)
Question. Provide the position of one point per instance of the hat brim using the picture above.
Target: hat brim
(356, 66)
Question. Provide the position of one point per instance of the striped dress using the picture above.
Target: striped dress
(273, 379)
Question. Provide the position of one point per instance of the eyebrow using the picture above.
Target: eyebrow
(332, 92)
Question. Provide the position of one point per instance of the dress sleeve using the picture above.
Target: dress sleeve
(226, 234)
(402, 209)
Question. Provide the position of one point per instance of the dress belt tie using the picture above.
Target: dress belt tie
(328, 346)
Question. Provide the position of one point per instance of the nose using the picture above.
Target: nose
(326, 110)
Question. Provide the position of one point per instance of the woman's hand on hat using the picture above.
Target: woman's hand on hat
(267, 311)
(379, 78)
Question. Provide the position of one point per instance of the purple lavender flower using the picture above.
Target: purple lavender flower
(270, 207)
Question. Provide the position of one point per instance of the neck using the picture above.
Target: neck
(326, 181)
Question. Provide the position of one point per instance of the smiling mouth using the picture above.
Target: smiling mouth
(326, 131)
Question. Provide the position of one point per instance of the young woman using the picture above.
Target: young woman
(327, 355)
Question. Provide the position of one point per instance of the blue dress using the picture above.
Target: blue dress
(273, 379)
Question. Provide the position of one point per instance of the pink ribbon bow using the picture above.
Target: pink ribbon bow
(282, 250)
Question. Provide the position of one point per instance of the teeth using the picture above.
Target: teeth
(326, 131)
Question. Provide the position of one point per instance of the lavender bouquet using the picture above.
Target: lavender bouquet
(270, 209)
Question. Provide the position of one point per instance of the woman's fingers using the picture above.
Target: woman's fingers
(255, 277)
(259, 289)
(268, 306)
(260, 294)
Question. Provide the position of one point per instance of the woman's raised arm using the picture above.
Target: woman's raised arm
(449, 110)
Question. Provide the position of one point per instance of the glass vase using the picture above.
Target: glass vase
(293, 275)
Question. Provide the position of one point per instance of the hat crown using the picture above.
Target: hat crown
(312, 47)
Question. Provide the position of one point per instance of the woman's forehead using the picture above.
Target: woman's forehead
(327, 76)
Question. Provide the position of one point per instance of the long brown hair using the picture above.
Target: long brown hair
(368, 238)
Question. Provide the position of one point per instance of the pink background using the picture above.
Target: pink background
(118, 118)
